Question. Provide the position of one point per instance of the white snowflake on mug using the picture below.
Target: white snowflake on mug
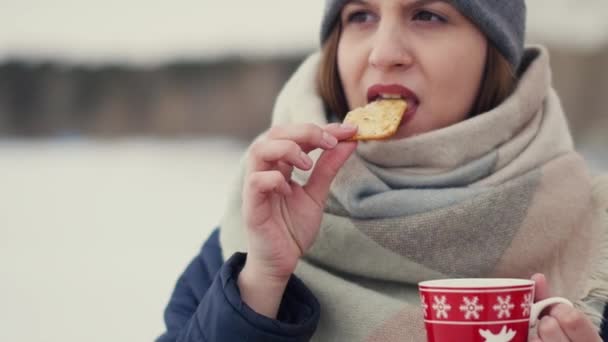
(471, 307)
(425, 306)
(504, 306)
(526, 305)
(441, 307)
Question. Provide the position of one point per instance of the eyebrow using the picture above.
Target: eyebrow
(416, 3)
(424, 2)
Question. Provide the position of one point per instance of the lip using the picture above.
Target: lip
(374, 91)
(408, 95)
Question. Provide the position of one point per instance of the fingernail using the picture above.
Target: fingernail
(348, 126)
(329, 140)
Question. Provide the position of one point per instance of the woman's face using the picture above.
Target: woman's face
(422, 50)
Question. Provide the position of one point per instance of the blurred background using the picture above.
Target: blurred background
(121, 126)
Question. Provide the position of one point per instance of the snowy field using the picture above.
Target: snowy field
(94, 234)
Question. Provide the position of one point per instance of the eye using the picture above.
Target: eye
(424, 15)
(360, 17)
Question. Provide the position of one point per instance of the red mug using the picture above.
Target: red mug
(481, 309)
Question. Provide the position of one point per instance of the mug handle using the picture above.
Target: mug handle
(538, 307)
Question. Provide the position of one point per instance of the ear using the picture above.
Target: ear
(485, 333)
(503, 330)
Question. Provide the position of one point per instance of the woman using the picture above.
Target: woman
(480, 180)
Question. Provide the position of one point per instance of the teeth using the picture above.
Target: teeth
(390, 96)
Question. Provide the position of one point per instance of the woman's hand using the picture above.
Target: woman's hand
(562, 323)
(283, 218)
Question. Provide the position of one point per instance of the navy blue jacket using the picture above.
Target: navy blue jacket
(206, 305)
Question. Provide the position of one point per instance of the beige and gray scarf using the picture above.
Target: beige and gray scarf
(502, 194)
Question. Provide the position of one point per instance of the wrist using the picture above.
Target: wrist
(272, 275)
(261, 275)
(260, 291)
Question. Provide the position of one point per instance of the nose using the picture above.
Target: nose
(389, 48)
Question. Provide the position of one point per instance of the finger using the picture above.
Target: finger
(260, 184)
(327, 167)
(285, 169)
(575, 324)
(549, 330)
(541, 290)
(310, 136)
(341, 131)
(265, 154)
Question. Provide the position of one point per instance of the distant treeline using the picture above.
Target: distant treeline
(225, 97)
(230, 96)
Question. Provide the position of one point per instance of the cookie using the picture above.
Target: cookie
(377, 120)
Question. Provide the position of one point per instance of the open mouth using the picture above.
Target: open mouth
(395, 91)
(392, 91)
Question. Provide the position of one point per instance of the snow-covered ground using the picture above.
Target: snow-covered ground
(93, 234)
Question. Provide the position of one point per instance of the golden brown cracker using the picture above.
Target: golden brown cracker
(377, 120)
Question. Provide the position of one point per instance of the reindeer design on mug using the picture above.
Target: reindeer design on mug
(503, 336)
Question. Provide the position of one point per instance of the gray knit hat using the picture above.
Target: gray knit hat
(502, 21)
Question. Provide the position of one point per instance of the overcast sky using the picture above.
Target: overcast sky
(148, 31)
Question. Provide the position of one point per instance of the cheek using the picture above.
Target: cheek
(457, 84)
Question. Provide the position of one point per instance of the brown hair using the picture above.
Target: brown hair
(497, 83)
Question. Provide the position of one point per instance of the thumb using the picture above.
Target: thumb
(325, 170)
(541, 288)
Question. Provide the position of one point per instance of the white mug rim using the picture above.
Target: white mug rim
(462, 283)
